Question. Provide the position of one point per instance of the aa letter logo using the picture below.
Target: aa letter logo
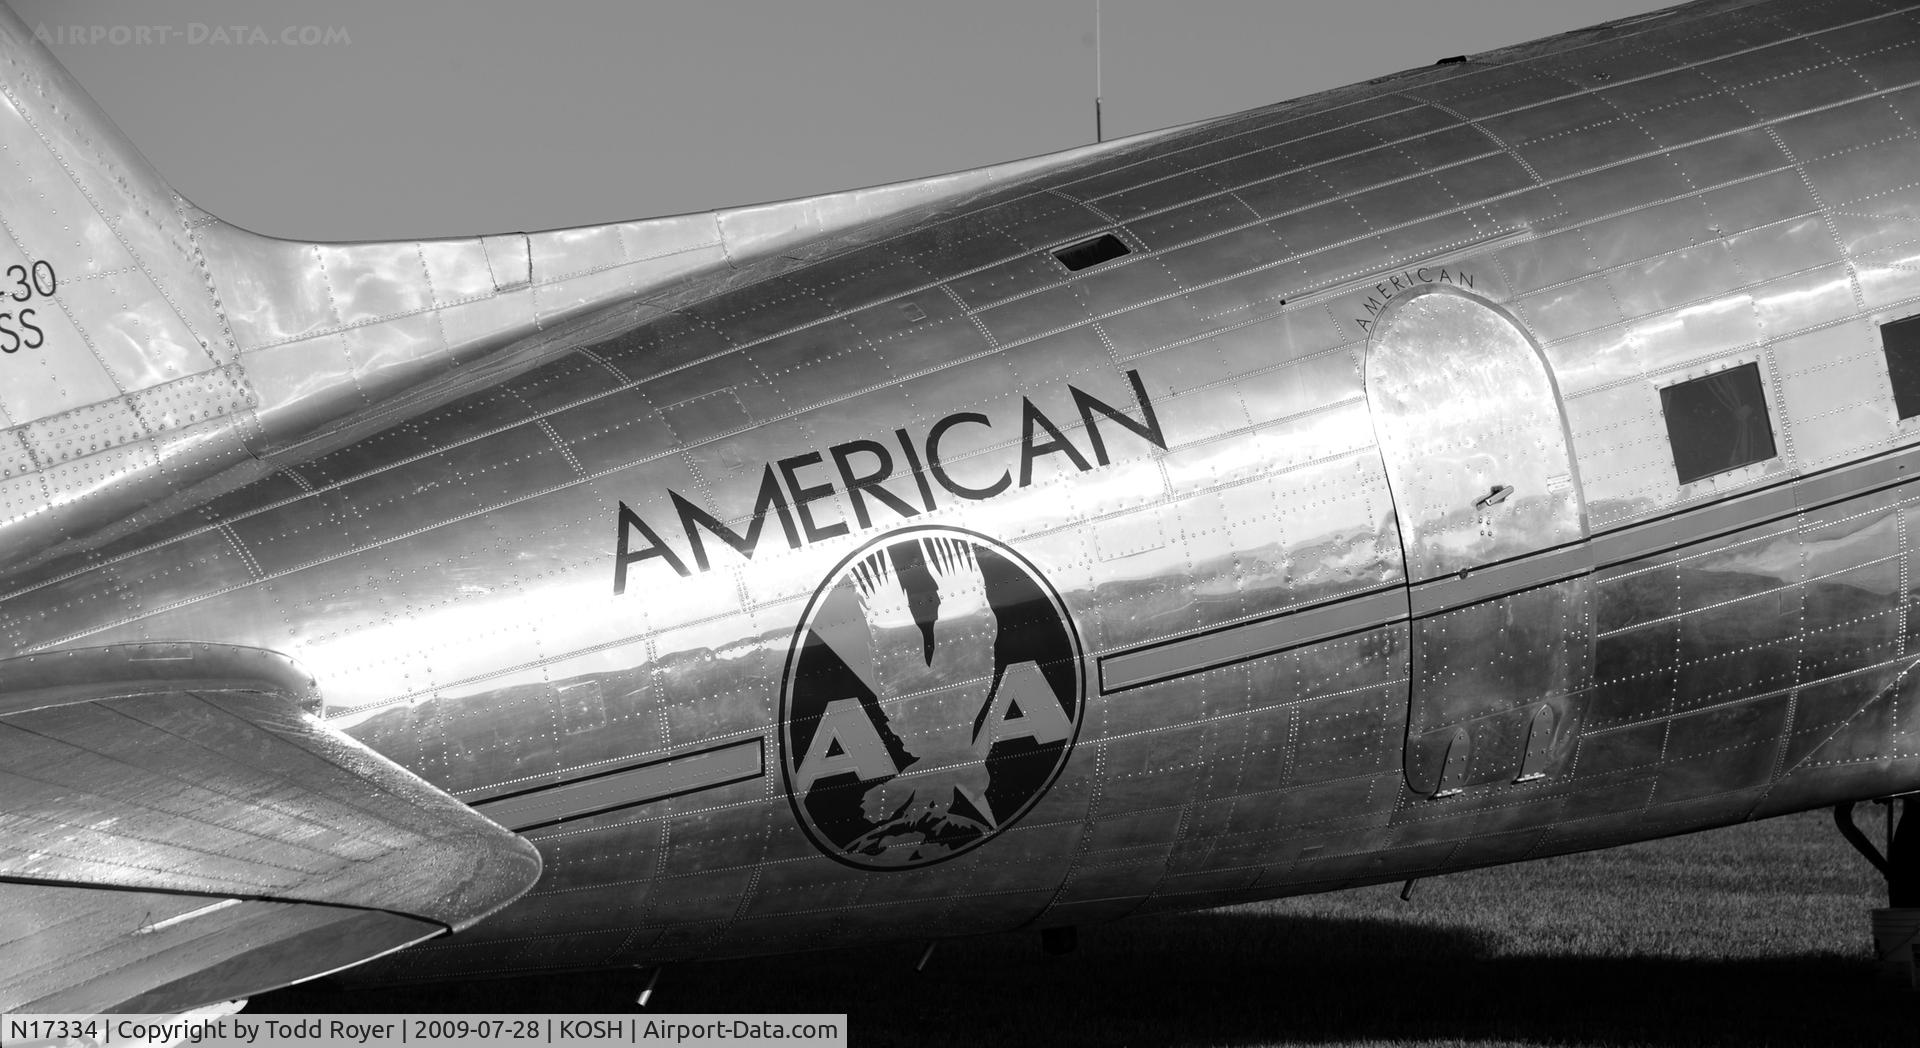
(932, 694)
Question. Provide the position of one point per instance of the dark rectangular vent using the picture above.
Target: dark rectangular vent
(1717, 423)
(1900, 339)
(1103, 248)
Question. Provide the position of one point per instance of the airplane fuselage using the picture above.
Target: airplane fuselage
(1345, 522)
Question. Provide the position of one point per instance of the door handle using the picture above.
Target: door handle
(1494, 497)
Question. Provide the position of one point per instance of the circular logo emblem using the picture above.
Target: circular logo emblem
(932, 694)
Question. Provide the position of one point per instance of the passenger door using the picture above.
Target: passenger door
(1494, 531)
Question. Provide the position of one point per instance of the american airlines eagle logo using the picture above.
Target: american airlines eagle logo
(932, 694)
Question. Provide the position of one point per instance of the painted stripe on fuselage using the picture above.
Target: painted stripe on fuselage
(1250, 640)
(1511, 576)
(1272, 634)
(1160, 661)
(625, 787)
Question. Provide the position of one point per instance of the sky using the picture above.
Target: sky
(389, 119)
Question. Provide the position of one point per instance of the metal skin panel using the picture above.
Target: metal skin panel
(195, 768)
(122, 288)
(1478, 460)
(199, 771)
(557, 580)
(84, 950)
(1469, 425)
(1497, 689)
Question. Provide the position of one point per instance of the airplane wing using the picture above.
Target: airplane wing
(180, 828)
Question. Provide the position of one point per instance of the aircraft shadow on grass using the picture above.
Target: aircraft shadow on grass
(1236, 978)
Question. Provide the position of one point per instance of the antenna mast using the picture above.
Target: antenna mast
(1099, 134)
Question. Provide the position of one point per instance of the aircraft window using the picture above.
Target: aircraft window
(1900, 339)
(1102, 248)
(1717, 423)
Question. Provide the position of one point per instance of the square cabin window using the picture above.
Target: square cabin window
(1717, 423)
(1900, 340)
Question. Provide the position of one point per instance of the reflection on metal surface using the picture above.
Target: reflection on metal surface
(61, 954)
(1464, 408)
(1521, 573)
(166, 346)
(1539, 747)
(1478, 673)
(1468, 417)
(1495, 495)
(1350, 480)
(224, 789)
(1237, 643)
(625, 787)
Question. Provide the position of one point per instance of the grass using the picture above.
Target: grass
(1752, 935)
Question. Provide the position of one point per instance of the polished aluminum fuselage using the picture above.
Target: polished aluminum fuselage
(1309, 656)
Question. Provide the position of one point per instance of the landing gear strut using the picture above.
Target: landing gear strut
(653, 979)
(1901, 864)
(1896, 929)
